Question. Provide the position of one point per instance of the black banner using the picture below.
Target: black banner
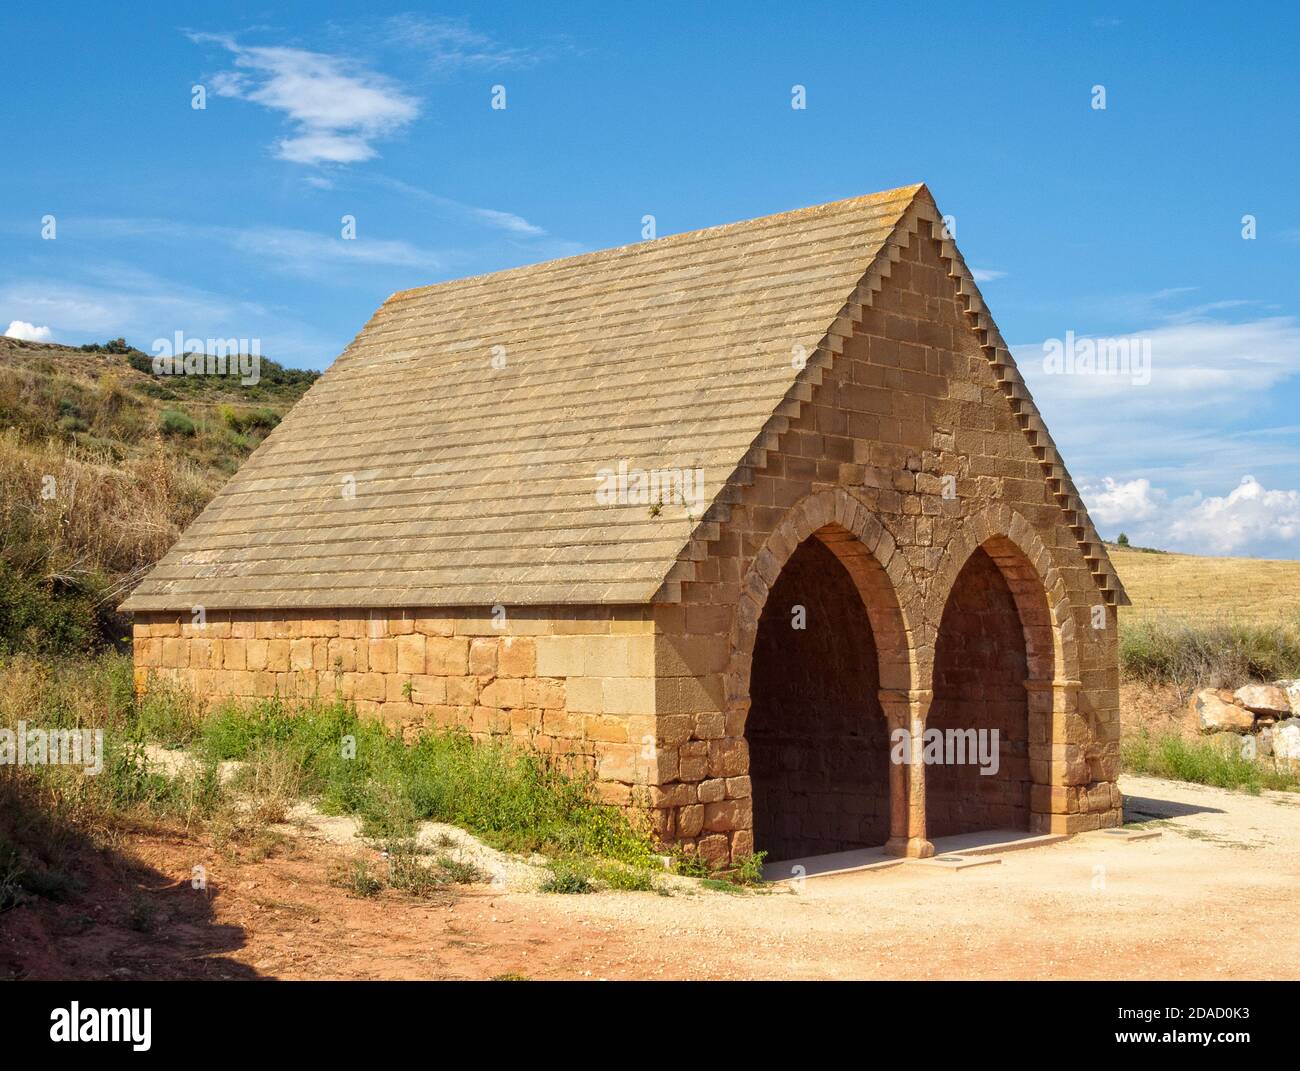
(330, 1020)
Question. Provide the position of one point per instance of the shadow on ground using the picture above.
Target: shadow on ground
(74, 907)
(1145, 808)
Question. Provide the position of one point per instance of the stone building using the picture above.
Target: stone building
(711, 516)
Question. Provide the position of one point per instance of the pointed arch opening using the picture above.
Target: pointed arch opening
(995, 636)
(829, 636)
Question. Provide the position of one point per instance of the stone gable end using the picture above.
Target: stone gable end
(912, 407)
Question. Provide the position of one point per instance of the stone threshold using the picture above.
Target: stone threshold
(950, 853)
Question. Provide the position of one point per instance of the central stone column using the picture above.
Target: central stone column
(907, 710)
(1058, 761)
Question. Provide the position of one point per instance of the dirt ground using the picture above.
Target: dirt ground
(1211, 897)
(1155, 709)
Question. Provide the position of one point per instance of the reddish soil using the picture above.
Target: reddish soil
(1207, 899)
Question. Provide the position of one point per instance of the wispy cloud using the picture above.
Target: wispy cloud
(986, 275)
(449, 44)
(1194, 365)
(114, 299)
(337, 108)
(505, 221)
(309, 254)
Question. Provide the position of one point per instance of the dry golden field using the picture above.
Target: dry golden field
(1204, 589)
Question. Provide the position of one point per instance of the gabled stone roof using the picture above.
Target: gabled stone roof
(452, 455)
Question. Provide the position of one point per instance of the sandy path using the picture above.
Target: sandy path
(1212, 897)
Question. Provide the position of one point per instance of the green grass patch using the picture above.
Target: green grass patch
(411, 871)
(514, 798)
(510, 796)
(568, 878)
(747, 873)
(1202, 762)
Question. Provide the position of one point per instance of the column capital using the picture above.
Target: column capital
(1053, 684)
(905, 695)
(902, 705)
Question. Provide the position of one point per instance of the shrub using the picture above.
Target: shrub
(252, 420)
(409, 872)
(45, 617)
(140, 363)
(356, 877)
(174, 422)
(568, 878)
(1216, 654)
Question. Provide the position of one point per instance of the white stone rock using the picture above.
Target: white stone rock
(1292, 689)
(1213, 715)
(1263, 699)
(1286, 740)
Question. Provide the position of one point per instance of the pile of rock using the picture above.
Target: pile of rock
(1269, 713)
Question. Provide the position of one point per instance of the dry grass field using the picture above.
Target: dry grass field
(1205, 589)
(1200, 622)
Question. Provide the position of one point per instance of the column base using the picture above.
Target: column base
(909, 847)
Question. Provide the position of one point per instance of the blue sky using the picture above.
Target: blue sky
(1124, 222)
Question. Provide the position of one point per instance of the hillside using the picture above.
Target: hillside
(102, 464)
(1199, 588)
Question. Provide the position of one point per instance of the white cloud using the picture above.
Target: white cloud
(1250, 520)
(1115, 502)
(28, 332)
(338, 109)
(1248, 516)
(1214, 402)
(986, 275)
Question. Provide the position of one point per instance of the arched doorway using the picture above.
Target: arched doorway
(992, 635)
(818, 739)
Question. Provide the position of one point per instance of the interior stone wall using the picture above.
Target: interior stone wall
(818, 743)
(980, 668)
